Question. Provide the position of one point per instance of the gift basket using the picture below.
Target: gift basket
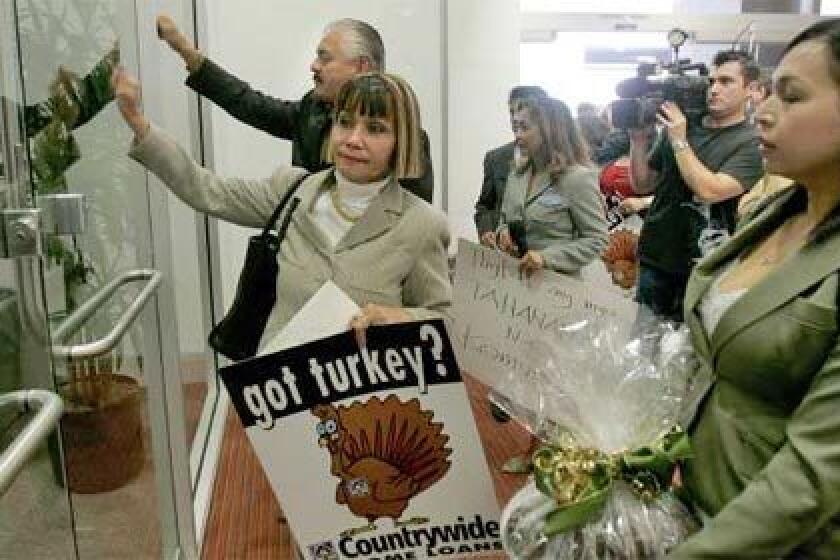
(607, 408)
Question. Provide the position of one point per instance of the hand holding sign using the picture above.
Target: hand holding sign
(374, 314)
(383, 433)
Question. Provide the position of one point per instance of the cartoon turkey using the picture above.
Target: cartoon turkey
(620, 258)
(384, 452)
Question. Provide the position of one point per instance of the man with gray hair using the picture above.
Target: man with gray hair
(348, 47)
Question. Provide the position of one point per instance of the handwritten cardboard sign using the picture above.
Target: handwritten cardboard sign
(373, 452)
(499, 312)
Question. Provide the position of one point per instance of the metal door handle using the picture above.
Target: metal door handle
(79, 317)
(49, 407)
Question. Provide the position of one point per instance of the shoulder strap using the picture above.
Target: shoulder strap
(283, 201)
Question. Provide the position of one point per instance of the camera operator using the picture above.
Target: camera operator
(696, 174)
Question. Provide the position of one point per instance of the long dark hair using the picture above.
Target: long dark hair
(562, 143)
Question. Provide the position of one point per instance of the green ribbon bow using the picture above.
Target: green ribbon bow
(580, 479)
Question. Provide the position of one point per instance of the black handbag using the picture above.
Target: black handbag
(238, 334)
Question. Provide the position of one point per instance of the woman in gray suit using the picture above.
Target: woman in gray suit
(552, 198)
(552, 202)
(382, 245)
(763, 314)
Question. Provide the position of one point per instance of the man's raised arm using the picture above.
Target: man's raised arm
(269, 114)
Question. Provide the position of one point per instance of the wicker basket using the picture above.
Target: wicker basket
(102, 430)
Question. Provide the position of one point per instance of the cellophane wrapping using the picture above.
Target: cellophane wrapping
(595, 387)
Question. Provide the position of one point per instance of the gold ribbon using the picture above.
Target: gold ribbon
(579, 479)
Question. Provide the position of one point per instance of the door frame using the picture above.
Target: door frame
(192, 474)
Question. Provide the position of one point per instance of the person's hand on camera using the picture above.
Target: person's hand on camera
(505, 243)
(375, 314)
(168, 31)
(127, 93)
(532, 262)
(672, 118)
(488, 239)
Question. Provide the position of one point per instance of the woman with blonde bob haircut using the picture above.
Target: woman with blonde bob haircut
(552, 195)
(365, 95)
(383, 246)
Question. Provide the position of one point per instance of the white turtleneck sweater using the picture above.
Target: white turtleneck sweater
(354, 198)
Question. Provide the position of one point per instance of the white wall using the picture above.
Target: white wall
(187, 265)
(271, 44)
(482, 66)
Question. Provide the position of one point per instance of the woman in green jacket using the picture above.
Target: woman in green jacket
(763, 313)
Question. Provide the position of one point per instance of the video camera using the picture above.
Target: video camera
(642, 95)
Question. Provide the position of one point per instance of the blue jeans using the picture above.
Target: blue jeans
(662, 292)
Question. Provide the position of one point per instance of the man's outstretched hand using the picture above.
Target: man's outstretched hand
(168, 31)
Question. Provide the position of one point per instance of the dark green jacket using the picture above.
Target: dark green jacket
(767, 438)
(306, 122)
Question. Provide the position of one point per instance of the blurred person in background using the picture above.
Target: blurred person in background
(497, 165)
(593, 125)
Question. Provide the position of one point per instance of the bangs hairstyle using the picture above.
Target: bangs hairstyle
(389, 97)
(562, 142)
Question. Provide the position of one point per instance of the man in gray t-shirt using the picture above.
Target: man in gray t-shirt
(696, 175)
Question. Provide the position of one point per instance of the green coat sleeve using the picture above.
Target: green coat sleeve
(797, 492)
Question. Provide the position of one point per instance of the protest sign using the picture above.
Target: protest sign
(500, 312)
(373, 452)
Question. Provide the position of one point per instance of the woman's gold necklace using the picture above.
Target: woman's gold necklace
(340, 209)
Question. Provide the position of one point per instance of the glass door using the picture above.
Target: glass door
(111, 310)
(36, 519)
(81, 312)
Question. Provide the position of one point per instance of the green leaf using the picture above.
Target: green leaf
(576, 515)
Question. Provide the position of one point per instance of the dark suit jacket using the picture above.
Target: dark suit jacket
(306, 122)
(497, 166)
